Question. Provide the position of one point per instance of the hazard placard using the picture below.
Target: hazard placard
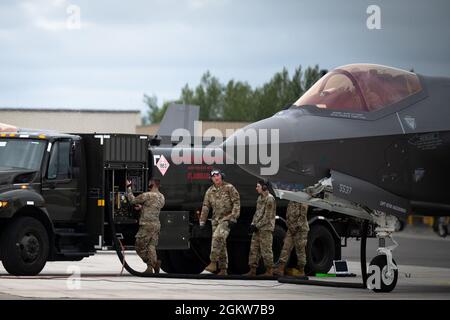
(162, 165)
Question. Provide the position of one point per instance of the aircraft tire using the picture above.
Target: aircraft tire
(387, 284)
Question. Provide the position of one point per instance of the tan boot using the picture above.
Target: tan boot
(223, 272)
(157, 266)
(298, 272)
(279, 271)
(212, 267)
(149, 269)
(268, 273)
(251, 273)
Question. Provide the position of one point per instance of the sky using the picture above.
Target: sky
(106, 54)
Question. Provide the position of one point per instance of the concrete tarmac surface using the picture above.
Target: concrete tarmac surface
(100, 279)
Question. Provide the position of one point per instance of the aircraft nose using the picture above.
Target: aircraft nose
(256, 147)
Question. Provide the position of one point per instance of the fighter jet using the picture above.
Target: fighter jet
(365, 140)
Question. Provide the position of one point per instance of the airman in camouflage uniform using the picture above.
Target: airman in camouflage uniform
(149, 224)
(224, 200)
(262, 228)
(296, 236)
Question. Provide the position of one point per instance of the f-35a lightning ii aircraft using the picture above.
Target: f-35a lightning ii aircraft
(369, 141)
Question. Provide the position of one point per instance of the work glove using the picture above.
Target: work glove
(252, 228)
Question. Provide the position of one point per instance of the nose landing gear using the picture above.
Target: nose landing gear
(383, 271)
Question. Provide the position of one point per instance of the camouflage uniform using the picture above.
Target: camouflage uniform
(264, 221)
(149, 225)
(225, 204)
(297, 233)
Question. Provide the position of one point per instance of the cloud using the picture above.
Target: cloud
(126, 49)
(206, 3)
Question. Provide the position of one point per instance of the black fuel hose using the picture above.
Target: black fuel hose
(118, 247)
(365, 227)
(120, 255)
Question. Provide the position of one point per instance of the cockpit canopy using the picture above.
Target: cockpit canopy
(361, 87)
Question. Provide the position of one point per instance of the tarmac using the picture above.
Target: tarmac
(101, 277)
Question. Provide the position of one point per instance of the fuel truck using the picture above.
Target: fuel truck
(58, 190)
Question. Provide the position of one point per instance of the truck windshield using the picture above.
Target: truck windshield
(23, 154)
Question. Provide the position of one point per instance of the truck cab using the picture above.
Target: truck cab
(42, 196)
(59, 194)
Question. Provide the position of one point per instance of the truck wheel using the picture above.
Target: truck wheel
(320, 250)
(185, 262)
(387, 282)
(238, 257)
(25, 247)
(166, 264)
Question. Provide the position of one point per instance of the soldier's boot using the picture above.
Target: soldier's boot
(149, 269)
(298, 272)
(223, 272)
(251, 273)
(268, 273)
(279, 271)
(212, 267)
(157, 266)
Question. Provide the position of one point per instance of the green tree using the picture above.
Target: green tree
(155, 113)
(208, 95)
(238, 101)
(297, 83)
(152, 113)
(310, 77)
(279, 92)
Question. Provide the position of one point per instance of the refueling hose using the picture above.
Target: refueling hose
(365, 228)
(118, 248)
(121, 255)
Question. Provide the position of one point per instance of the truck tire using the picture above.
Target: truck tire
(185, 262)
(190, 261)
(320, 250)
(166, 263)
(238, 256)
(25, 247)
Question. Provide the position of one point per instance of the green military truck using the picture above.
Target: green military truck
(54, 192)
(57, 192)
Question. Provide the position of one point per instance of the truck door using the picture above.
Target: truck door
(60, 184)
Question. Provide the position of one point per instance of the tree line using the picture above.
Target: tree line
(237, 100)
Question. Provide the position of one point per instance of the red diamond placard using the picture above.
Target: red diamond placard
(162, 165)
